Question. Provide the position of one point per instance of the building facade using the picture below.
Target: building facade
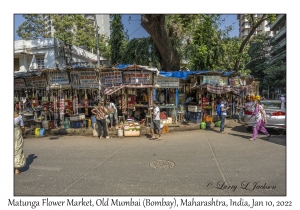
(244, 26)
(103, 22)
(48, 53)
(278, 51)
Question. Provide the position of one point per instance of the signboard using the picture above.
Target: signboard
(213, 80)
(60, 78)
(223, 81)
(132, 77)
(167, 82)
(19, 83)
(111, 78)
(234, 81)
(84, 79)
(38, 81)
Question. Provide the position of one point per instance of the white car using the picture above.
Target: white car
(275, 111)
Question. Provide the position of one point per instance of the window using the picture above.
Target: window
(40, 62)
(258, 28)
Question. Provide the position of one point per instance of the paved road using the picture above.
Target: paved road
(191, 163)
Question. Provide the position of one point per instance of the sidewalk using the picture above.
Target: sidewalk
(179, 127)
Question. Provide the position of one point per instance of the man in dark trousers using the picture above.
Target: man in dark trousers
(155, 124)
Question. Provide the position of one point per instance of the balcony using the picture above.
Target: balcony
(277, 57)
(278, 19)
(280, 34)
(278, 46)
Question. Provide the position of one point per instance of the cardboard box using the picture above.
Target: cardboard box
(132, 133)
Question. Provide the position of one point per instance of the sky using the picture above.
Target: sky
(133, 25)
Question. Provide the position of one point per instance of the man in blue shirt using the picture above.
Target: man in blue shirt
(223, 114)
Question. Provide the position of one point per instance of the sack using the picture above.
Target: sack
(37, 132)
(95, 133)
(219, 110)
(42, 132)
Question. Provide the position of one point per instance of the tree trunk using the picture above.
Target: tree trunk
(246, 40)
(155, 26)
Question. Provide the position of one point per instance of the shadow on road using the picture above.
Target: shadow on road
(281, 140)
(54, 137)
(29, 161)
(240, 135)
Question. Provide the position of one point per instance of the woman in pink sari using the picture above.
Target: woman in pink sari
(260, 121)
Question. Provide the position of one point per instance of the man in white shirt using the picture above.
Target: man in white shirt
(113, 112)
(155, 124)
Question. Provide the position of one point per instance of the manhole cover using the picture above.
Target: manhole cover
(162, 164)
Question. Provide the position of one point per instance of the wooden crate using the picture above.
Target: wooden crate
(132, 133)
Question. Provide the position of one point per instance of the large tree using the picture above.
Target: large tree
(255, 22)
(117, 40)
(141, 51)
(193, 41)
(33, 27)
(75, 29)
(155, 25)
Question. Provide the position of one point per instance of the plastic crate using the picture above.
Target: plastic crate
(77, 124)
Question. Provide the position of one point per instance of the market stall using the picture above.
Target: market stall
(166, 92)
(30, 92)
(83, 97)
(133, 90)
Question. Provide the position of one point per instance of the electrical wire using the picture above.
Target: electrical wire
(135, 31)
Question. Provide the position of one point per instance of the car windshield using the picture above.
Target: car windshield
(271, 104)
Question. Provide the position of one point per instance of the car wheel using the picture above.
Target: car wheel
(248, 128)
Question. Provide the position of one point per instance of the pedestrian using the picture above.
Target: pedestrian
(19, 133)
(100, 113)
(155, 124)
(224, 109)
(112, 112)
(260, 120)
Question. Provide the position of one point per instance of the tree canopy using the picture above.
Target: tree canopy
(32, 28)
(118, 39)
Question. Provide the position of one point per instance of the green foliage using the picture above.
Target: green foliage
(32, 28)
(141, 51)
(75, 30)
(200, 42)
(272, 74)
(255, 22)
(79, 31)
(118, 39)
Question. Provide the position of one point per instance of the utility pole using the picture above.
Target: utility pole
(97, 41)
(98, 57)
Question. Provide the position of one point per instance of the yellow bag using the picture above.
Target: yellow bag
(37, 132)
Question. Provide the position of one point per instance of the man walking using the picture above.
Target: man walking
(155, 124)
(223, 114)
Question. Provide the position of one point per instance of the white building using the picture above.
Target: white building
(244, 26)
(48, 53)
(103, 22)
